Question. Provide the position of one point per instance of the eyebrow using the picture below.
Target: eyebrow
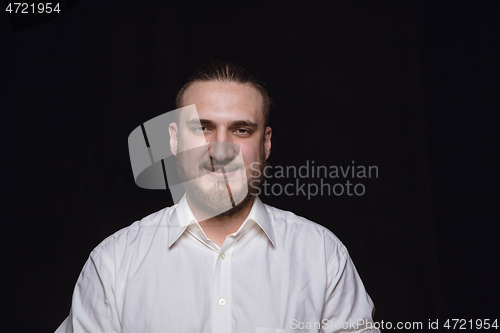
(247, 123)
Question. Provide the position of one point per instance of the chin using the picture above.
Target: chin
(214, 200)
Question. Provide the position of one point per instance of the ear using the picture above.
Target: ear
(173, 130)
(267, 141)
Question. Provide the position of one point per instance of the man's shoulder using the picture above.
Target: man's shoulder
(146, 227)
(288, 224)
(281, 216)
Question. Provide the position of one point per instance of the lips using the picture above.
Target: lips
(220, 168)
(227, 173)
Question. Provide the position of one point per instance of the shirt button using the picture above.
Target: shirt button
(223, 255)
(222, 301)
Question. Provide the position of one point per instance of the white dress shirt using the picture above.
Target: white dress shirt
(278, 273)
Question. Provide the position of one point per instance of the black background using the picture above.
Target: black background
(410, 87)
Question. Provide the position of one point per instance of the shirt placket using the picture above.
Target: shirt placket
(221, 299)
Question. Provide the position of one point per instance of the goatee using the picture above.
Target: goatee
(222, 198)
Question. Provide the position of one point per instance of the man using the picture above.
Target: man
(220, 260)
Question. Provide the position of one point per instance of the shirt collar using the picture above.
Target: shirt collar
(182, 216)
(259, 215)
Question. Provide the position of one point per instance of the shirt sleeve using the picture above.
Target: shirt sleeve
(93, 307)
(348, 308)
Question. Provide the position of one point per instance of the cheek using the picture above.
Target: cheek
(188, 140)
(251, 154)
(192, 155)
(193, 148)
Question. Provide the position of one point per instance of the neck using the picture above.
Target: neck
(217, 228)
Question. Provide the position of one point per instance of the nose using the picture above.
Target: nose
(224, 151)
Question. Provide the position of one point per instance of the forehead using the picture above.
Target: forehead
(224, 101)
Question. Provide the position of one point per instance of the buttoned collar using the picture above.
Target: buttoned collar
(182, 216)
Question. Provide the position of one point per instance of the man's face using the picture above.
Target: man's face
(217, 144)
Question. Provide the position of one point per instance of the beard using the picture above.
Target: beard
(222, 198)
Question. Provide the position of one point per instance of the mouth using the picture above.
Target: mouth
(220, 171)
(220, 168)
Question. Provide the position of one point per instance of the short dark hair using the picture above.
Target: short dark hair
(224, 71)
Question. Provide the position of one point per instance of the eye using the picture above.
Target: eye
(201, 129)
(242, 131)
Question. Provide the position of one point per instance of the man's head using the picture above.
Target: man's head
(217, 71)
(217, 142)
